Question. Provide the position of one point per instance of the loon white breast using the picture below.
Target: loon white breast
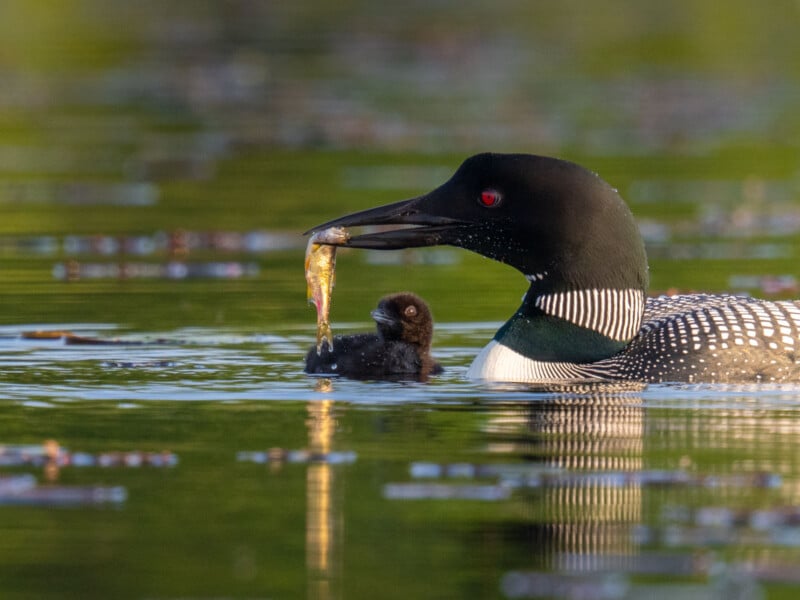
(586, 315)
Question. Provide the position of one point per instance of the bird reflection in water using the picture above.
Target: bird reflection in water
(595, 428)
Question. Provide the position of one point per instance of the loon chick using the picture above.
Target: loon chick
(585, 315)
(399, 350)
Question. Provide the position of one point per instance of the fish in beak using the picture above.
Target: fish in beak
(419, 226)
(485, 207)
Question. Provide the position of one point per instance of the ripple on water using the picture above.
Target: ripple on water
(214, 364)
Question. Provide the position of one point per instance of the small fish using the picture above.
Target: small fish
(320, 275)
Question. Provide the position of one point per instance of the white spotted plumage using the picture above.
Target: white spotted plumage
(694, 337)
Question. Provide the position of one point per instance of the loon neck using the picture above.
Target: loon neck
(576, 326)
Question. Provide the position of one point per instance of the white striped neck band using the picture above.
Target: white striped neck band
(616, 314)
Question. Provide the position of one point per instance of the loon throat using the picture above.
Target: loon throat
(577, 326)
(616, 314)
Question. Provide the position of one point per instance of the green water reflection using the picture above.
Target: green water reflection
(158, 165)
(214, 526)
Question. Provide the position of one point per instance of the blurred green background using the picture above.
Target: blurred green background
(128, 128)
(159, 161)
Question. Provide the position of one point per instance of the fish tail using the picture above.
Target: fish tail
(324, 334)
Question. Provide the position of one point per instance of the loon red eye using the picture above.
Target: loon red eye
(490, 198)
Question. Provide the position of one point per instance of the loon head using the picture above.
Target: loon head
(566, 229)
(556, 222)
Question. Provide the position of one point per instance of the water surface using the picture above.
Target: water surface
(285, 485)
(158, 165)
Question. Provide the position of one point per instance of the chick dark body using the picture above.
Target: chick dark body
(400, 349)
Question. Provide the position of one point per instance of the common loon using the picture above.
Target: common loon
(399, 350)
(586, 315)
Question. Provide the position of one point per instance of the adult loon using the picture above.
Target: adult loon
(586, 315)
(399, 350)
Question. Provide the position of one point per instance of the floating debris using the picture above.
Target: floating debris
(50, 453)
(534, 476)
(646, 563)
(170, 243)
(82, 340)
(14, 455)
(711, 536)
(728, 583)
(694, 564)
(413, 256)
(769, 571)
(144, 364)
(722, 516)
(281, 455)
(768, 284)
(55, 334)
(776, 517)
(519, 584)
(59, 495)
(75, 271)
(67, 337)
(51, 457)
(74, 339)
(79, 193)
(509, 473)
(445, 491)
(719, 250)
(15, 484)
(655, 478)
(124, 459)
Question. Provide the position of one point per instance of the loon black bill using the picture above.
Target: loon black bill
(419, 228)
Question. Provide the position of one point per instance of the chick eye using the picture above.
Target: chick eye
(410, 311)
(490, 198)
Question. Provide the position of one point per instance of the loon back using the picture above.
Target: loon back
(716, 338)
(585, 315)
